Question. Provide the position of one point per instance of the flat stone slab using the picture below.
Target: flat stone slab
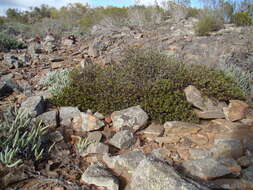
(211, 168)
(99, 175)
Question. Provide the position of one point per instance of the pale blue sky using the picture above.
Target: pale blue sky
(25, 4)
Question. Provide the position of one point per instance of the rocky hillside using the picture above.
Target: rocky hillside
(125, 150)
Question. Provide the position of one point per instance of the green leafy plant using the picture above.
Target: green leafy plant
(242, 19)
(82, 145)
(154, 81)
(192, 12)
(7, 42)
(207, 24)
(21, 139)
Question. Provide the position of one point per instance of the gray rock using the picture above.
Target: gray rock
(35, 105)
(227, 148)
(67, 114)
(161, 153)
(133, 117)
(154, 130)
(210, 168)
(247, 176)
(99, 115)
(128, 161)
(180, 128)
(156, 175)
(56, 59)
(95, 136)
(56, 136)
(213, 114)
(195, 97)
(245, 161)
(123, 139)
(49, 118)
(12, 61)
(197, 154)
(96, 148)
(87, 122)
(99, 175)
(9, 86)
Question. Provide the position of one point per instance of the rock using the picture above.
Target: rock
(156, 175)
(127, 161)
(245, 161)
(87, 122)
(99, 175)
(197, 154)
(67, 114)
(95, 136)
(12, 61)
(194, 96)
(161, 153)
(5, 90)
(168, 139)
(56, 59)
(133, 117)
(56, 136)
(123, 139)
(96, 148)
(49, 118)
(236, 110)
(247, 176)
(227, 148)
(154, 130)
(213, 114)
(96, 48)
(249, 145)
(35, 105)
(231, 184)
(180, 128)
(210, 168)
(56, 65)
(99, 115)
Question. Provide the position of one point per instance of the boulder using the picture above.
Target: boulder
(153, 130)
(210, 168)
(49, 118)
(123, 139)
(236, 110)
(126, 161)
(245, 161)
(99, 175)
(153, 174)
(67, 114)
(96, 148)
(133, 117)
(247, 176)
(212, 114)
(227, 148)
(95, 136)
(180, 128)
(12, 61)
(87, 122)
(197, 154)
(35, 105)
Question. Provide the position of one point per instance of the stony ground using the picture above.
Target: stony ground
(128, 151)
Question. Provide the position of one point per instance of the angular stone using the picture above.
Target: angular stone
(154, 130)
(247, 176)
(56, 136)
(213, 114)
(197, 154)
(35, 105)
(210, 168)
(99, 115)
(99, 175)
(180, 128)
(95, 136)
(49, 118)
(245, 161)
(194, 96)
(236, 110)
(128, 161)
(156, 175)
(231, 184)
(67, 114)
(168, 139)
(161, 153)
(87, 122)
(133, 117)
(123, 139)
(96, 148)
(227, 148)
(5, 90)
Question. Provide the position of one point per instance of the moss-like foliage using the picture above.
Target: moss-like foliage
(242, 19)
(154, 81)
(6, 42)
(208, 24)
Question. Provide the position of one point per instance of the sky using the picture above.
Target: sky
(25, 4)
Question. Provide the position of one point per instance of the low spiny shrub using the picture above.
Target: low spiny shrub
(8, 43)
(154, 81)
